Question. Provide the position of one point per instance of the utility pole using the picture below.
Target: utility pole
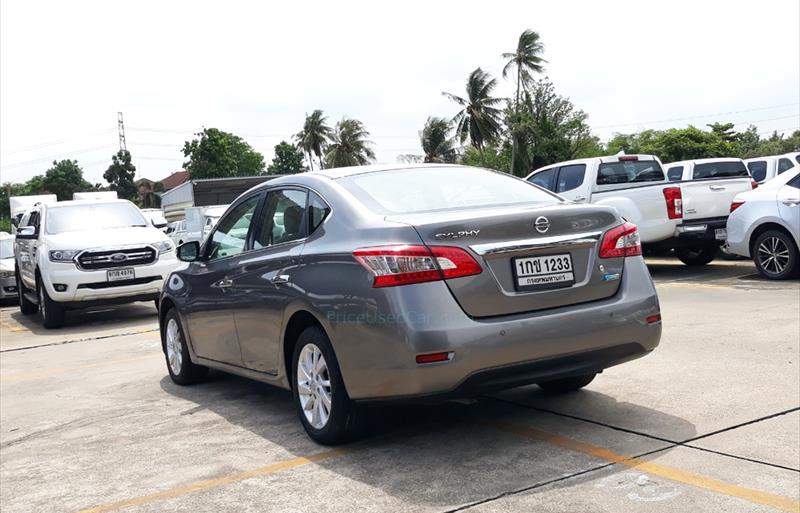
(121, 130)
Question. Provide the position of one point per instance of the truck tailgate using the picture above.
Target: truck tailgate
(703, 199)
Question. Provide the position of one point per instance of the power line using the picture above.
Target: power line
(68, 154)
(700, 116)
(56, 142)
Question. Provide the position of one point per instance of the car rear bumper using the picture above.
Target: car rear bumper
(701, 230)
(378, 356)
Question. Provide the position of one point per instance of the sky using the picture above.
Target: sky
(256, 69)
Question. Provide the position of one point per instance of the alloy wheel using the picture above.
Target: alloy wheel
(174, 347)
(314, 386)
(773, 255)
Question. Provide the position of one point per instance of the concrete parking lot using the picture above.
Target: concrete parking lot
(90, 422)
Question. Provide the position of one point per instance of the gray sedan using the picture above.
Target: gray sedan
(367, 284)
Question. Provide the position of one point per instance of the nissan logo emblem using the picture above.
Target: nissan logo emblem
(542, 224)
(119, 257)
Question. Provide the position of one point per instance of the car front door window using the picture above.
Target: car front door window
(230, 237)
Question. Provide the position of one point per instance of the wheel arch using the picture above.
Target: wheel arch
(298, 321)
(765, 227)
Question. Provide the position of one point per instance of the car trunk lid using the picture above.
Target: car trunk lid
(508, 243)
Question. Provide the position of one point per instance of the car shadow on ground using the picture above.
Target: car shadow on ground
(445, 454)
(78, 321)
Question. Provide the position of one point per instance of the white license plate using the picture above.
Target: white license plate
(120, 274)
(720, 233)
(543, 272)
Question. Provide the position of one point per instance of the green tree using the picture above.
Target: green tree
(120, 175)
(526, 60)
(494, 157)
(288, 160)
(314, 136)
(64, 179)
(480, 119)
(437, 145)
(349, 145)
(552, 128)
(678, 143)
(217, 154)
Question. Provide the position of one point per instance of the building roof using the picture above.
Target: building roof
(175, 179)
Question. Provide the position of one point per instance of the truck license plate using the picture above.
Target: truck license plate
(120, 274)
(720, 233)
(543, 272)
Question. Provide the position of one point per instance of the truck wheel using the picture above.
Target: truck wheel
(697, 256)
(325, 410)
(179, 363)
(775, 255)
(26, 307)
(560, 386)
(52, 312)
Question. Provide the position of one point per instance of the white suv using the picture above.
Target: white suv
(77, 254)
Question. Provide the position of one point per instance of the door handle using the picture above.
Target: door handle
(579, 199)
(717, 187)
(280, 278)
(224, 284)
(791, 202)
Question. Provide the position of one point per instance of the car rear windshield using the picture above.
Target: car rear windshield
(758, 169)
(405, 191)
(74, 218)
(727, 169)
(629, 171)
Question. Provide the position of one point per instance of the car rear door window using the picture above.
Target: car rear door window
(758, 170)
(570, 177)
(724, 169)
(230, 237)
(284, 219)
(784, 165)
(544, 178)
(675, 173)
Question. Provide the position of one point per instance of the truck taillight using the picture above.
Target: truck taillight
(736, 204)
(406, 264)
(674, 199)
(753, 183)
(621, 241)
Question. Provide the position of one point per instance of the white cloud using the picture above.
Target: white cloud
(256, 68)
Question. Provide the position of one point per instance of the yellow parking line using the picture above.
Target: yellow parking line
(673, 474)
(212, 483)
(44, 373)
(12, 327)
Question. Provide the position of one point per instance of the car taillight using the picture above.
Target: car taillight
(754, 183)
(621, 241)
(406, 264)
(736, 204)
(674, 200)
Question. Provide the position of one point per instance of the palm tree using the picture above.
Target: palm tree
(480, 118)
(349, 145)
(526, 60)
(314, 136)
(436, 142)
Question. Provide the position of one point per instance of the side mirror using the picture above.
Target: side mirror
(189, 251)
(26, 232)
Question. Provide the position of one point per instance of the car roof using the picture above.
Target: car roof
(341, 172)
(69, 203)
(704, 161)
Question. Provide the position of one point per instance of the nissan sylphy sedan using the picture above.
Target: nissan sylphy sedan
(378, 283)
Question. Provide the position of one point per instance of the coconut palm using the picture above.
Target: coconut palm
(314, 136)
(349, 145)
(436, 141)
(480, 118)
(526, 60)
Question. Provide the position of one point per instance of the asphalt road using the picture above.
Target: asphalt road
(90, 422)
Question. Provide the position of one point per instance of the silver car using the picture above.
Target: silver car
(367, 284)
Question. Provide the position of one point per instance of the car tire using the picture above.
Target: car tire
(322, 391)
(26, 306)
(181, 369)
(560, 386)
(775, 255)
(697, 256)
(52, 313)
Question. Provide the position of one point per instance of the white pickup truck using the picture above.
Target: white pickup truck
(688, 217)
